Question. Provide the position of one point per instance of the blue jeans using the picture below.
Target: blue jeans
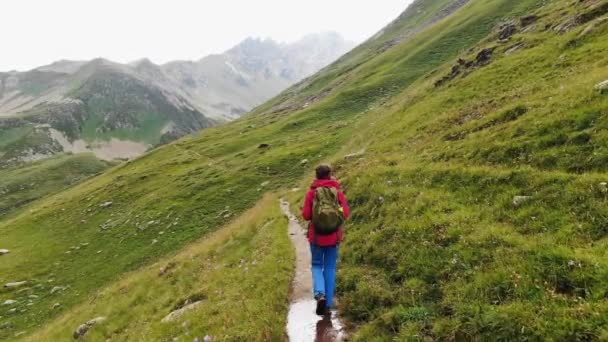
(324, 271)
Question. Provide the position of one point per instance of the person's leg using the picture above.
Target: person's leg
(329, 272)
(317, 270)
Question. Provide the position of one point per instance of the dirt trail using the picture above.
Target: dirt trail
(303, 325)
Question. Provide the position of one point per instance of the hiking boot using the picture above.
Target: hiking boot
(321, 306)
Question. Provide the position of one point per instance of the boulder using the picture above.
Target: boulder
(106, 204)
(84, 328)
(484, 57)
(9, 302)
(602, 87)
(15, 284)
(506, 30)
(57, 289)
(354, 155)
(304, 162)
(528, 20)
(4, 251)
(177, 313)
(519, 200)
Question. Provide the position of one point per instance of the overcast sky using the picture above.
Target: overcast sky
(38, 32)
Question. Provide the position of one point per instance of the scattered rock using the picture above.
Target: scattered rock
(266, 183)
(4, 251)
(106, 204)
(83, 328)
(519, 200)
(177, 313)
(33, 296)
(514, 48)
(464, 67)
(587, 29)
(484, 57)
(164, 270)
(506, 30)
(263, 146)
(602, 87)
(603, 187)
(208, 338)
(9, 302)
(304, 162)
(528, 20)
(57, 289)
(13, 310)
(55, 306)
(354, 155)
(295, 189)
(565, 26)
(15, 284)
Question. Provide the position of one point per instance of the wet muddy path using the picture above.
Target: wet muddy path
(303, 325)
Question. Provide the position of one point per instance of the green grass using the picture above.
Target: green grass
(240, 273)
(23, 184)
(10, 135)
(435, 248)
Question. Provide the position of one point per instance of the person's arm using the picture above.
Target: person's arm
(307, 209)
(345, 208)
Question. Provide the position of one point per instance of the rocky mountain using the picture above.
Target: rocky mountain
(227, 85)
(121, 110)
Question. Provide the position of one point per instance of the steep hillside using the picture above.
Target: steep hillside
(469, 137)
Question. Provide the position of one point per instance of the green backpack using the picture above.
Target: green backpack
(327, 213)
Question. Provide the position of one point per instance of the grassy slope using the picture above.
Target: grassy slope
(240, 273)
(24, 184)
(442, 251)
(160, 202)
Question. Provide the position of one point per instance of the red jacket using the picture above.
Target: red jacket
(323, 240)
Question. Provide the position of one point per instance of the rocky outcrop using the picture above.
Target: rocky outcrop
(179, 312)
(602, 87)
(484, 57)
(519, 200)
(84, 328)
(15, 284)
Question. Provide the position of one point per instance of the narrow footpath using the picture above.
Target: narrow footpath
(303, 325)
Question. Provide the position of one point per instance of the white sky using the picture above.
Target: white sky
(38, 32)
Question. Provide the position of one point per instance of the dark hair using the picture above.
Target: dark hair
(323, 172)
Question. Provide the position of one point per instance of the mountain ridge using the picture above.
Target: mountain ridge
(102, 105)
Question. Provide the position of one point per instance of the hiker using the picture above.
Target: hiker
(326, 208)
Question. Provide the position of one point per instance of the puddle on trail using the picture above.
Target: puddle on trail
(303, 325)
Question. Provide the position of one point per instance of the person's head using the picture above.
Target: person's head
(323, 171)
